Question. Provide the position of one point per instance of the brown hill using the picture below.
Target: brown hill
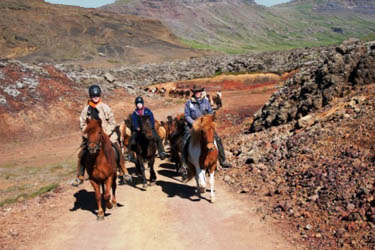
(36, 31)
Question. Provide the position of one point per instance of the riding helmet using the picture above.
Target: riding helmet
(139, 99)
(94, 90)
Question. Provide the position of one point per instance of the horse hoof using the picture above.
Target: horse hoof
(100, 218)
(213, 199)
(109, 205)
(144, 185)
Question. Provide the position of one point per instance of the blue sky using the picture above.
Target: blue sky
(97, 3)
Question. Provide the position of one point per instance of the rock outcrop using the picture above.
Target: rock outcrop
(341, 69)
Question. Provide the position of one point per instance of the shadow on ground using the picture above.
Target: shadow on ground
(86, 201)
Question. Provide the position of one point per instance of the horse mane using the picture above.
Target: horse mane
(107, 145)
(203, 123)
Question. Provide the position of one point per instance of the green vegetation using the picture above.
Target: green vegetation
(42, 190)
(280, 28)
(20, 181)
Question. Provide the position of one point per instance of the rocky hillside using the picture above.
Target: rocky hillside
(35, 31)
(277, 62)
(317, 173)
(343, 68)
(237, 26)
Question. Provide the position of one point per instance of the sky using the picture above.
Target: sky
(98, 3)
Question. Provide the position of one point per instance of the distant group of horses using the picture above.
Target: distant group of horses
(174, 92)
(183, 93)
(102, 166)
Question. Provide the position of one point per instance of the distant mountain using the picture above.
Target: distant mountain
(36, 31)
(243, 25)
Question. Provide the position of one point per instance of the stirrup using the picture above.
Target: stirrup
(76, 182)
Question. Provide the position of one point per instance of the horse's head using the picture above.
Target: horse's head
(94, 133)
(206, 125)
(146, 127)
(176, 125)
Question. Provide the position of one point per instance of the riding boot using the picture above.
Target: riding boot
(80, 168)
(185, 139)
(159, 144)
(220, 148)
(123, 173)
(131, 147)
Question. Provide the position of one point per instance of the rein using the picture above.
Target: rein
(98, 144)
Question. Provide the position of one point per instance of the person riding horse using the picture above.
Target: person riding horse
(196, 107)
(141, 110)
(96, 109)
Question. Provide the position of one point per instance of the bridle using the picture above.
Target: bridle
(97, 145)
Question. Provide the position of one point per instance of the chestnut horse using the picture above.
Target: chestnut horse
(202, 153)
(125, 134)
(101, 165)
(145, 149)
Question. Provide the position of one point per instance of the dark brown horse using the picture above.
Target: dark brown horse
(176, 133)
(202, 153)
(145, 150)
(101, 165)
(218, 102)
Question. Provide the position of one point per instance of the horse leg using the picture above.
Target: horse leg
(212, 184)
(151, 162)
(202, 181)
(107, 194)
(98, 196)
(114, 186)
(142, 170)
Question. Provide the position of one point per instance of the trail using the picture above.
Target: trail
(167, 216)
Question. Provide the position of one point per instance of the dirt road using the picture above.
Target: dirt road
(167, 216)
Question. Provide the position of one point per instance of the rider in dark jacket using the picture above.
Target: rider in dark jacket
(196, 107)
(141, 110)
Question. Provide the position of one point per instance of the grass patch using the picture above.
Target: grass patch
(41, 191)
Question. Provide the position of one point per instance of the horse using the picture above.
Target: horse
(217, 101)
(187, 93)
(145, 149)
(176, 134)
(100, 163)
(165, 126)
(125, 134)
(161, 131)
(202, 154)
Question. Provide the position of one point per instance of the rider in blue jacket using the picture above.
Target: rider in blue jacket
(194, 108)
(141, 110)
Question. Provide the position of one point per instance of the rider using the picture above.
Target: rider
(141, 110)
(96, 109)
(195, 107)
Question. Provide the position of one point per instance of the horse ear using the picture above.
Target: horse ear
(214, 116)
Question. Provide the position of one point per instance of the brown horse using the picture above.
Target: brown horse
(218, 102)
(145, 149)
(125, 134)
(202, 153)
(161, 131)
(176, 138)
(101, 165)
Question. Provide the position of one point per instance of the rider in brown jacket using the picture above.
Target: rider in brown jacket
(96, 109)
